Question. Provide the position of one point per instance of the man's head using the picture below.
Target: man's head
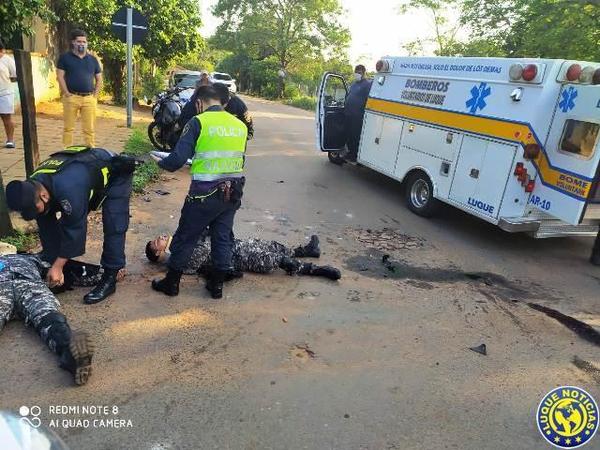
(29, 197)
(223, 91)
(156, 250)
(78, 41)
(207, 96)
(360, 72)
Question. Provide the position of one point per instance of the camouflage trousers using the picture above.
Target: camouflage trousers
(32, 301)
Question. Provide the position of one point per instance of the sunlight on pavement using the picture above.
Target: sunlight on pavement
(150, 326)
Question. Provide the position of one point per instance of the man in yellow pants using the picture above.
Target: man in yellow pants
(80, 79)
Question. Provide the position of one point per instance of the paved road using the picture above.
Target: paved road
(378, 360)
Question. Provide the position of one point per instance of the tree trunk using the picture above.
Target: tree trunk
(113, 70)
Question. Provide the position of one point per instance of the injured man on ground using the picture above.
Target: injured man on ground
(250, 255)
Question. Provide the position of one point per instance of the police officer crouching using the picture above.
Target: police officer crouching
(74, 182)
(216, 142)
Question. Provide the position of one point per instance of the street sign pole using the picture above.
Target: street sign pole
(129, 66)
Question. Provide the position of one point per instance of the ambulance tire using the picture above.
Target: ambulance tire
(336, 158)
(419, 195)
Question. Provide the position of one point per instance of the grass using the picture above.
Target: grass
(139, 145)
(25, 242)
(304, 102)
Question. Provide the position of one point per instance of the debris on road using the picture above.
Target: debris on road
(481, 349)
(161, 192)
(284, 320)
(303, 351)
(386, 239)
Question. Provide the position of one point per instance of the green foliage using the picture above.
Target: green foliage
(284, 33)
(444, 30)
(25, 242)
(16, 15)
(303, 102)
(139, 145)
(537, 28)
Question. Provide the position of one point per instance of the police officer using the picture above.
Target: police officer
(73, 182)
(231, 103)
(216, 142)
(24, 293)
(251, 255)
(354, 110)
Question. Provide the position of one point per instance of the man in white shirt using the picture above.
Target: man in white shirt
(8, 75)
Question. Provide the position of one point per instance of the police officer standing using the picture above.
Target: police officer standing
(216, 142)
(70, 184)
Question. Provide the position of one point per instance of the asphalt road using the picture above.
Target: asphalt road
(378, 360)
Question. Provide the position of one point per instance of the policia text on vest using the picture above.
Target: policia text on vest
(73, 182)
(216, 142)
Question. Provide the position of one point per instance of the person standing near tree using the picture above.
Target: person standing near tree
(8, 75)
(80, 79)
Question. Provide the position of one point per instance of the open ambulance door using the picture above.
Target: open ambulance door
(330, 113)
(568, 169)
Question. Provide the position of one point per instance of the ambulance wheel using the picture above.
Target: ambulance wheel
(419, 195)
(336, 158)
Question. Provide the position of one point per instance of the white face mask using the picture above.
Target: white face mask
(357, 76)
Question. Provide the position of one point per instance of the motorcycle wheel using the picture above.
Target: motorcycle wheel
(155, 137)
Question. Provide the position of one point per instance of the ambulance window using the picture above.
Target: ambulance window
(580, 137)
(335, 93)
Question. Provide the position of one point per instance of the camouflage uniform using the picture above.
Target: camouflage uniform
(250, 255)
(24, 294)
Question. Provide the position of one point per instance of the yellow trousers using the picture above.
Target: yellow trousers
(74, 105)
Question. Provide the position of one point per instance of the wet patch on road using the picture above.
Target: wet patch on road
(582, 329)
(587, 367)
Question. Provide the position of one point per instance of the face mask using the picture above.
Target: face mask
(357, 76)
(81, 48)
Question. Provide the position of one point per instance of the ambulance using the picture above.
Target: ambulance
(514, 142)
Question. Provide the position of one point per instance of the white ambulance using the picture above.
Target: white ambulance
(511, 141)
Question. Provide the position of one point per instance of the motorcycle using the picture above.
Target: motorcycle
(164, 130)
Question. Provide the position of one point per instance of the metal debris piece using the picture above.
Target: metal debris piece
(481, 349)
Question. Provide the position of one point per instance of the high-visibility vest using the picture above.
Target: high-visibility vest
(220, 147)
(99, 169)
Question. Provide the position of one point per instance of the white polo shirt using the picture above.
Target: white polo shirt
(7, 71)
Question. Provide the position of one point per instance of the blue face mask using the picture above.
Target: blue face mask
(81, 48)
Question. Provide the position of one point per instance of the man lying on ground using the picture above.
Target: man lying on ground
(24, 294)
(251, 255)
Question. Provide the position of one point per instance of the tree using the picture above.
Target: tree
(16, 15)
(284, 31)
(444, 29)
(537, 28)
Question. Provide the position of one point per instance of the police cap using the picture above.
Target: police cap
(21, 196)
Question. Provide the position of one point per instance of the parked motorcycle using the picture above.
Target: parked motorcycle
(164, 131)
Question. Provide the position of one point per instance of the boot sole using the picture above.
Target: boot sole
(82, 349)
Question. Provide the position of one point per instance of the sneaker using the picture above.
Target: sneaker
(9, 144)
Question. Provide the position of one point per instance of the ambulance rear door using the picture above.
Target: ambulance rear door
(331, 96)
(569, 163)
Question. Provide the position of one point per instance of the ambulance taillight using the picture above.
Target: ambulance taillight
(530, 186)
(530, 71)
(586, 75)
(523, 177)
(596, 77)
(519, 169)
(573, 72)
(531, 151)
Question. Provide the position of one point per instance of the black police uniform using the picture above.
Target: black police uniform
(85, 181)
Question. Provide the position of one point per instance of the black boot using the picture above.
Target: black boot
(311, 250)
(77, 357)
(169, 285)
(320, 271)
(106, 287)
(290, 265)
(214, 284)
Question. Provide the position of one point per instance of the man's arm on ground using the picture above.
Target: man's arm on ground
(185, 148)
